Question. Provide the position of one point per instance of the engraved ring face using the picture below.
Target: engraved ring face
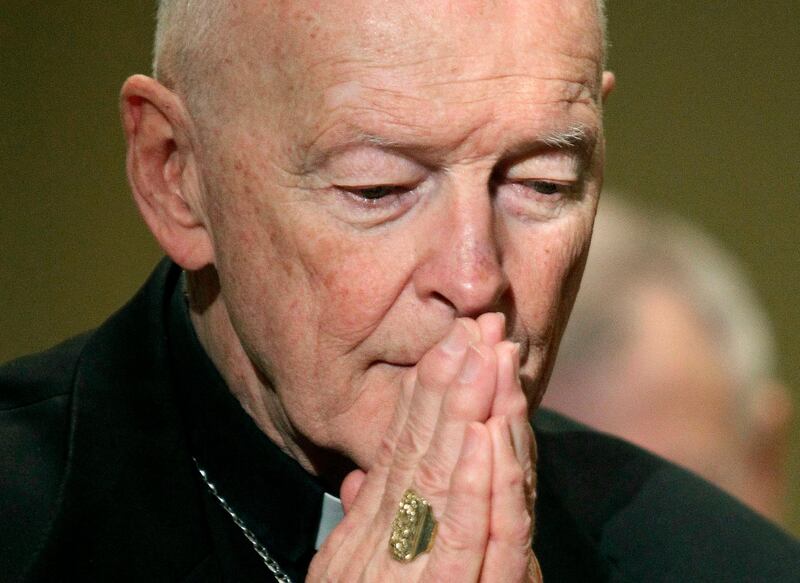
(413, 528)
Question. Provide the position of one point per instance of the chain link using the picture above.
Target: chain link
(271, 563)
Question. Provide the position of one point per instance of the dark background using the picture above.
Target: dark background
(703, 123)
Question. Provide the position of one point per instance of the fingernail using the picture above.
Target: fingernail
(472, 365)
(519, 439)
(471, 441)
(456, 341)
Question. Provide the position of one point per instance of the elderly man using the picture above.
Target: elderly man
(377, 215)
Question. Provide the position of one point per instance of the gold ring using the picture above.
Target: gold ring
(413, 528)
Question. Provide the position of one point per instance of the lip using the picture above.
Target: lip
(394, 364)
(524, 354)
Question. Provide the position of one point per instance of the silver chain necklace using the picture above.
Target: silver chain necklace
(271, 563)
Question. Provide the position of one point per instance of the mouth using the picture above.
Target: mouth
(409, 361)
(394, 364)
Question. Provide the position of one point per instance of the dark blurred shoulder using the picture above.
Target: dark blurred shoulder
(37, 377)
(35, 401)
(650, 520)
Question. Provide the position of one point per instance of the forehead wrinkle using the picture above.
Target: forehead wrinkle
(319, 38)
(446, 71)
(439, 142)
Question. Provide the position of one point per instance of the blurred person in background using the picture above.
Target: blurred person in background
(669, 348)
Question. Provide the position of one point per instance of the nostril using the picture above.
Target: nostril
(436, 296)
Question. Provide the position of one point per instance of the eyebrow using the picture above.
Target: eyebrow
(578, 139)
(572, 138)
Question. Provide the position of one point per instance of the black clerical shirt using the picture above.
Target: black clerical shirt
(275, 497)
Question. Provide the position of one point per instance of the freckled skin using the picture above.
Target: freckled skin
(321, 310)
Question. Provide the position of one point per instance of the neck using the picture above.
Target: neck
(251, 387)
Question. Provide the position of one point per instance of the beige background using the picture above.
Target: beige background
(704, 122)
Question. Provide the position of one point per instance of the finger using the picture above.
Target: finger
(509, 551)
(351, 485)
(462, 533)
(436, 371)
(524, 443)
(493, 327)
(468, 399)
(510, 400)
(512, 403)
(427, 379)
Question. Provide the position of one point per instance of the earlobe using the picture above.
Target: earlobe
(609, 82)
(160, 163)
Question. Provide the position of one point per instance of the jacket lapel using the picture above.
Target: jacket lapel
(130, 506)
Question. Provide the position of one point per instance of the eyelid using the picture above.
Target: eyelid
(370, 166)
(549, 166)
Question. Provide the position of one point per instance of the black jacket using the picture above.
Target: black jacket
(96, 483)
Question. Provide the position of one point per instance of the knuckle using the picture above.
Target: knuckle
(514, 478)
(385, 451)
(518, 533)
(518, 405)
(432, 480)
(464, 403)
(410, 444)
(457, 535)
(472, 483)
(435, 370)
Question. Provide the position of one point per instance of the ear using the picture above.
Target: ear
(609, 82)
(162, 170)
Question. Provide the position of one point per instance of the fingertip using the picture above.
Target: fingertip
(492, 327)
(351, 486)
(506, 351)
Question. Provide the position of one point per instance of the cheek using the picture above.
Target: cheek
(545, 271)
(356, 282)
(264, 287)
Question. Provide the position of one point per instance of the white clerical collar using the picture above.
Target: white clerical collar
(331, 515)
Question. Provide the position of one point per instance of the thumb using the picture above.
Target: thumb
(351, 486)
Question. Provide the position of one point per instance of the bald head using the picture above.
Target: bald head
(192, 37)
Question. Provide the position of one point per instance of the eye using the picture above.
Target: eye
(544, 187)
(378, 192)
(546, 190)
(378, 201)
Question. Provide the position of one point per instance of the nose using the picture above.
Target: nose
(462, 261)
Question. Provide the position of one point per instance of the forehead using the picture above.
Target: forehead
(455, 61)
(376, 30)
(316, 36)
